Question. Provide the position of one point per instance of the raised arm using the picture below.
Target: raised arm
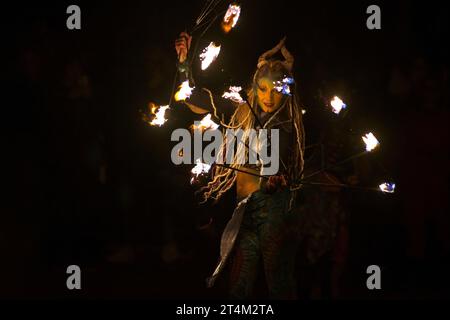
(200, 100)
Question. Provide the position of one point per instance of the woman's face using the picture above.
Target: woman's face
(269, 99)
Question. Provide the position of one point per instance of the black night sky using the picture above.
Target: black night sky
(87, 182)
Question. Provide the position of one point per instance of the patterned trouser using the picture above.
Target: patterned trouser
(269, 232)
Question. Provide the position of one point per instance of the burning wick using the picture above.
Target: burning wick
(233, 94)
(231, 17)
(184, 91)
(387, 187)
(209, 54)
(370, 141)
(206, 123)
(199, 169)
(337, 105)
(159, 119)
(283, 85)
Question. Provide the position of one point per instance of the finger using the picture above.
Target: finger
(184, 35)
(189, 42)
(178, 49)
(180, 46)
(182, 38)
(180, 41)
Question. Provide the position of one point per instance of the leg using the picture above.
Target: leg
(279, 247)
(245, 264)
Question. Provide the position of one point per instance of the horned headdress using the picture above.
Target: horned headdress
(288, 57)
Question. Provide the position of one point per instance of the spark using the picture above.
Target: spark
(184, 91)
(199, 169)
(159, 119)
(209, 54)
(206, 123)
(370, 141)
(233, 95)
(283, 85)
(231, 17)
(387, 187)
(337, 105)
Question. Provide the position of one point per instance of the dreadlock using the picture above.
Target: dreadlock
(224, 178)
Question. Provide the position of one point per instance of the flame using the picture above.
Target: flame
(283, 85)
(206, 123)
(387, 187)
(209, 54)
(337, 105)
(231, 17)
(233, 94)
(159, 119)
(303, 111)
(184, 91)
(199, 169)
(370, 141)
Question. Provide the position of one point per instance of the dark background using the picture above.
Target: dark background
(87, 182)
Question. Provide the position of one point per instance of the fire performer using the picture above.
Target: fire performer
(264, 223)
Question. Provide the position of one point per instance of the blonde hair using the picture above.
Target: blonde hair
(224, 178)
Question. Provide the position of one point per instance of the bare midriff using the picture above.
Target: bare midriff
(246, 183)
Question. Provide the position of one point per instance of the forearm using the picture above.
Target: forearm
(195, 109)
